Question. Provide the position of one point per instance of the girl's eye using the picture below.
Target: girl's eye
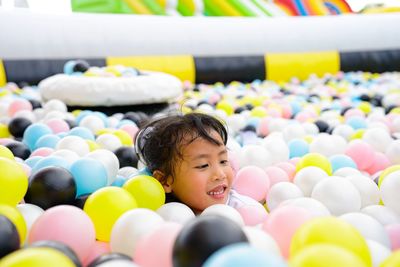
(202, 166)
(224, 162)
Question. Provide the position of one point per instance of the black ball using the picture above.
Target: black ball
(323, 126)
(203, 236)
(343, 111)
(80, 66)
(136, 117)
(389, 108)
(143, 117)
(63, 248)
(51, 186)
(35, 104)
(9, 237)
(22, 84)
(81, 200)
(239, 110)
(109, 257)
(17, 126)
(19, 150)
(126, 156)
(71, 123)
(249, 128)
(365, 97)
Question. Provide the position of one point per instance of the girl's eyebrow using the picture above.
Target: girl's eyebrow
(200, 156)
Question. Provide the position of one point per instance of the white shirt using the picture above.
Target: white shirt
(236, 200)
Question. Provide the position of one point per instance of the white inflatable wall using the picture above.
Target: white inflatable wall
(27, 35)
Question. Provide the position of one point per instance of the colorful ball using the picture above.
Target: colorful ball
(252, 181)
(316, 160)
(16, 218)
(13, 182)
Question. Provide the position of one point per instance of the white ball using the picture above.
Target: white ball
(131, 227)
(108, 141)
(308, 177)
(383, 214)
(112, 122)
(261, 240)
(127, 171)
(368, 189)
(310, 128)
(69, 155)
(338, 195)
(344, 131)
(368, 226)
(378, 138)
(236, 122)
(393, 152)
(277, 125)
(328, 145)
(225, 211)
(390, 191)
(293, 131)
(233, 145)
(280, 192)
(55, 104)
(30, 213)
(176, 212)
(346, 171)
(53, 114)
(93, 123)
(118, 263)
(75, 144)
(378, 252)
(26, 114)
(254, 155)
(109, 160)
(316, 208)
(39, 113)
(277, 148)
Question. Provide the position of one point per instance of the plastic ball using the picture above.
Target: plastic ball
(281, 192)
(89, 175)
(42, 152)
(237, 255)
(224, 211)
(48, 140)
(252, 181)
(112, 260)
(13, 182)
(331, 231)
(378, 138)
(159, 242)
(127, 172)
(362, 154)
(82, 133)
(74, 143)
(30, 213)
(4, 131)
(105, 206)
(58, 125)
(389, 189)
(276, 175)
(18, 105)
(338, 194)
(51, 186)
(282, 224)
(314, 206)
(298, 148)
(315, 159)
(176, 212)
(17, 126)
(50, 161)
(33, 132)
(367, 188)
(96, 251)
(307, 177)
(383, 214)
(19, 150)
(326, 255)
(380, 163)
(59, 246)
(392, 261)
(124, 137)
(277, 149)
(109, 160)
(261, 240)
(9, 236)
(201, 237)
(253, 214)
(126, 156)
(36, 257)
(393, 231)
(92, 122)
(346, 171)
(393, 152)
(16, 218)
(131, 227)
(254, 155)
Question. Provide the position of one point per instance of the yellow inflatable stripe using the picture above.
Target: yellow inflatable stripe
(284, 66)
(179, 66)
(162, 3)
(138, 7)
(227, 8)
(3, 77)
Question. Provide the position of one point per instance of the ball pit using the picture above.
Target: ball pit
(322, 161)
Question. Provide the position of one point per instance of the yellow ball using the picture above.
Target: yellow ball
(333, 231)
(395, 111)
(105, 206)
(104, 131)
(13, 182)
(92, 145)
(76, 112)
(365, 107)
(5, 152)
(147, 190)
(314, 159)
(4, 133)
(124, 137)
(325, 255)
(259, 112)
(358, 134)
(16, 218)
(36, 257)
(386, 172)
(225, 106)
(186, 110)
(392, 261)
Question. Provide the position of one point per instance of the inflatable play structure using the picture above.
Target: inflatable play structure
(247, 8)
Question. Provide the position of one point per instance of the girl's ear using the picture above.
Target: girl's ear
(165, 181)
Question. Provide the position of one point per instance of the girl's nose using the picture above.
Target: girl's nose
(219, 173)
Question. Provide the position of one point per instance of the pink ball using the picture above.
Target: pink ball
(58, 125)
(17, 105)
(252, 214)
(353, 112)
(97, 249)
(380, 163)
(362, 154)
(155, 249)
(130, 129)
(67, 224)
(294, 161)
(289, 168)
(252, 181)
(286, 111)
(263, 126)
(303, 116)
(234, 161)
(394, 235)
(283, 222)
(42, 152)
(276, 175)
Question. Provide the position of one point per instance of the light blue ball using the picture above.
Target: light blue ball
(242, 254)
(50, 161)
(124, 122)
(357, 122)
(296, 107)
(119, 181)
(254, 121)
(341, 161)
(48, 140)
(69, 67)
(33, 133)
(89, 175)
(82, 115)
(298, 148)
(102, 116)
(33, 160)
(82, 132)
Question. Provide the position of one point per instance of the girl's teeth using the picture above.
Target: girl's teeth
(216, 193)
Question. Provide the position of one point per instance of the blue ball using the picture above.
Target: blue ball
(69, 67)
(32, 161)
(242, 254)
(102, 116)
(48, 140)
(357, 122)
(50, 161)
(89, 175)
(341, 161)
(82, 132)
(298, 148)
(33, 133)
(119, 181)
(124, 122)
(296, 107)
(82, 115)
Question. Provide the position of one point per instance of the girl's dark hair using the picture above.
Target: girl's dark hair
(158, 144)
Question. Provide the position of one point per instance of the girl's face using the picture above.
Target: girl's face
(204, 176)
